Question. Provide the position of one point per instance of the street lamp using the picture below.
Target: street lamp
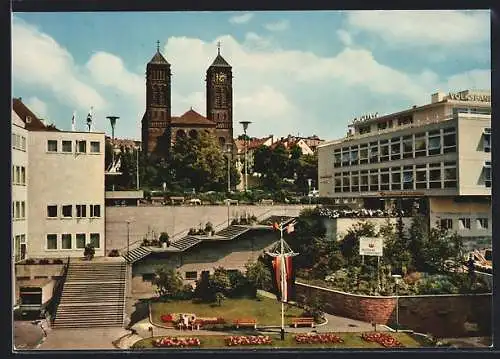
(397, 277)
(245, 126)
(128, 236)
(112, 121)
(228, 152)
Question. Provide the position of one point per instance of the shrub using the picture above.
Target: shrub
(30, 261)
(57, 261)
(209, 227)
(114, 253)
(165, 238)
(145, 243)
(89, 251)
(43, 261)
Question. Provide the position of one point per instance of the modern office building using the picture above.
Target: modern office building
(437, 155)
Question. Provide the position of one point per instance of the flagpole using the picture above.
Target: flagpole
(282, 263)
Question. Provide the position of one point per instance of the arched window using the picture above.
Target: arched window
(180, 134)
(193, 134)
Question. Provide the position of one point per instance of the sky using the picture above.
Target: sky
(299, 73)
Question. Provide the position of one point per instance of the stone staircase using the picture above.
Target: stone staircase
(93, 295)
(137, 254)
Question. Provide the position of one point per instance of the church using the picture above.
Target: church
(160, 129)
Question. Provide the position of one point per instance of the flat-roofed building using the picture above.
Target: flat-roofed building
(67, 193)
(439, 153)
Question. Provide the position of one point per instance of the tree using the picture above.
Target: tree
(262, 160)
(164, 238)
(443, 251)
(168, 282)
(219, 281)
(258, 275)
(294, 163)
(418, 235)
(350, 243)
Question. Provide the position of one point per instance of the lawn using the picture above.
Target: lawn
(351, 340)
(266, 311)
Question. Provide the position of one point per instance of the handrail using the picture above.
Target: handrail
(59, 291)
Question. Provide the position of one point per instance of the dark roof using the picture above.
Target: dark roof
(34, 124)
(220, 62)
(158, 59)
(192, 117)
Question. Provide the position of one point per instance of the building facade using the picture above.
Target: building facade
(19, 177)
(439, 153)
(160, 128)
(67, 193)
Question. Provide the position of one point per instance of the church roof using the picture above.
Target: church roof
(32, 122)
(191, 117)
(220, 62)
(158, 59)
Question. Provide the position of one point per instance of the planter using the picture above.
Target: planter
(164, 245)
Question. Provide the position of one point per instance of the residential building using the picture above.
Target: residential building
(437, 156)
(19, 176)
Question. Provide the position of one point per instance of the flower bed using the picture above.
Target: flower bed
(167, 318)
(248, 340)
(176, 342)
(386, 340)
(326, 338)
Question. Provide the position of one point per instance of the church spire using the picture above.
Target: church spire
(158, 57)
(218, 48)
(157, 45)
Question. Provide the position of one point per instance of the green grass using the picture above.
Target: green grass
(266, 311)
(351, 340)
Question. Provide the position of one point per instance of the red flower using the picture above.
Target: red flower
(384, 339)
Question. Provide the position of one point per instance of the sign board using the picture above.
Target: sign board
(466, 96)
(371, 246)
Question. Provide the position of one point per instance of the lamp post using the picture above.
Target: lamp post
(112, 121)
(128, 236)
(245, 126)
(397, 277)
(137, 166)
(228, 152)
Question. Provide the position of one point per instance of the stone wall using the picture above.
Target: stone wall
(33, 271)
(440, 315)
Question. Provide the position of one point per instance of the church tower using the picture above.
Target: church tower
(157, 117)
(220, 98)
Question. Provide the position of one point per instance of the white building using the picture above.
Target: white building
(66, 192)
(19, 178)
(438, 153)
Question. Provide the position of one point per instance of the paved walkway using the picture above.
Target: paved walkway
(82, 339)
(27, 335)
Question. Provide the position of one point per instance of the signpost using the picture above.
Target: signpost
(372, 246)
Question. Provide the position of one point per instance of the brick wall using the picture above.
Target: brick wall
(440, 315)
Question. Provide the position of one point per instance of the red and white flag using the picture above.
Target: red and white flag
(290, 228)
(283, 268)
(276, 226)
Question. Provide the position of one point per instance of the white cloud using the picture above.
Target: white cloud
(344, 37)
(424, 27)
(269, 89)
(278, 26)
(38, 60)
(241, 19)
(256, 41)
(38, 107)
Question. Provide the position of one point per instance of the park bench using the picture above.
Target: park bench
(303, 321)
(249, 322)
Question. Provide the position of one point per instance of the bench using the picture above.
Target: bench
(245, 323)
(303, 321)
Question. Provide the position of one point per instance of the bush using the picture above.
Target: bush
(57, 261)
(114, 253)
(164, 238)
(89, 251)
(30, 261)
(209, 227)
(43, 261)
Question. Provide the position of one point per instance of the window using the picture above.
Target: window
(354, 156)
(66, 241)
(52, 145)
(408, 178)
(51, 241)
(464, 223)
(364, 129)
(434, 177)
(373, 152)
(95, 210)
(395, 149)
(420, 145)
(67, 210)
(23, 143)
(487, 173)
(450, 176)
(434, 144)
(94, 240)
(382, 125)
(51, 211)
(23, 210)
(384, 152)
(95, 147)
(487, 140)
(363, 154)
(384, 180)
(355, 182)
(191, 275)
(337, 183)
(23, 176)
(17, 178)
(482, 223)
(345, 157)
(449, 140)
(421, 177)
(364, 181)
(446, 223)
(408, 147)
(67, 146)
(80, 240)
(396, 178)
(374, 180)
(81, 210)
(346, 182)
(82, 146)
(336, 159)
(18, 210)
